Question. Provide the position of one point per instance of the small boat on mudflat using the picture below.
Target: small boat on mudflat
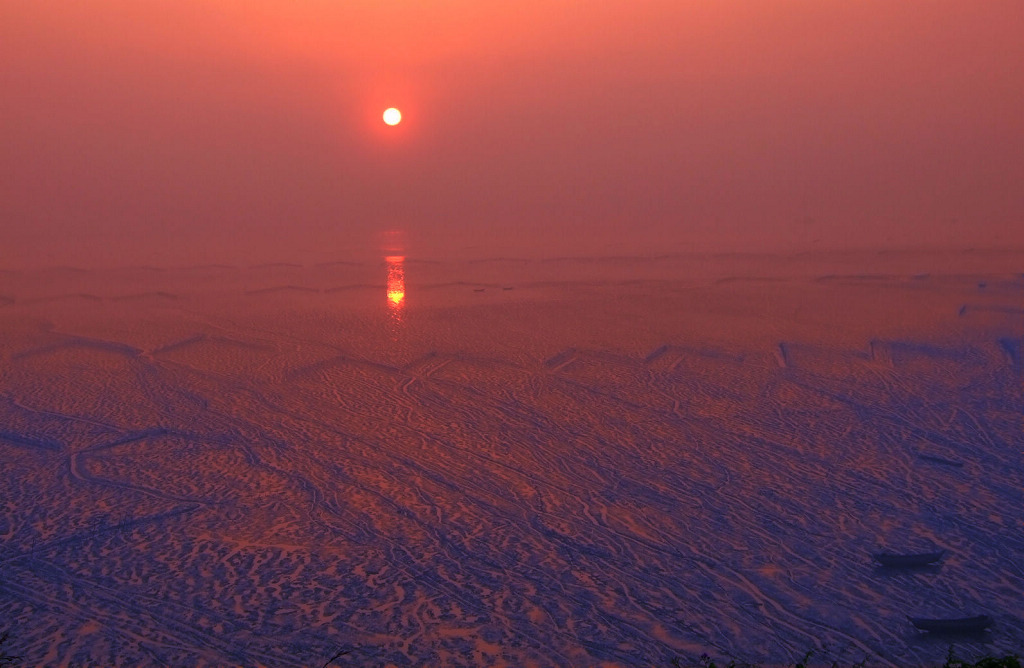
(891, 560)
(957, 625)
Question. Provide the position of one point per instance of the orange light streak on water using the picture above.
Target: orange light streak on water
(396, 280)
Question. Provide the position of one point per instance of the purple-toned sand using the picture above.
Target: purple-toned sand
(599, 461)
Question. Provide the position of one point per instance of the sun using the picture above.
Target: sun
(392, 116)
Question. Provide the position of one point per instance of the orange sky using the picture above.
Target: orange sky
(164, 132)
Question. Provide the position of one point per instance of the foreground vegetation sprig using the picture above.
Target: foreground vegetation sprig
(952, 661)
(1008, 661)
(5, 658)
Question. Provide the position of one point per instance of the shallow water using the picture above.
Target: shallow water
(617, 461)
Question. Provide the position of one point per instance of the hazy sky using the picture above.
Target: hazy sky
(167, 131)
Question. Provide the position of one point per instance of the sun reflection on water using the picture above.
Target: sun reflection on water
(396, 281)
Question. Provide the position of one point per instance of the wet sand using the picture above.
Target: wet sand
(575, 461)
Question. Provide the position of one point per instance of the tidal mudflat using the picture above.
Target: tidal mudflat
(588, 461)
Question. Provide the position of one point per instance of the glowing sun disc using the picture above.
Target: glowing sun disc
(392, 116)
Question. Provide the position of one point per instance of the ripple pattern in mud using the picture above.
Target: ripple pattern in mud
(265, 491)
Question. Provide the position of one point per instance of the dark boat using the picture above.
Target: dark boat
(960, 625)
(890, 560)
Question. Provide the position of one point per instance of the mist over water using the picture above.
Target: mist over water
(177, 134)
